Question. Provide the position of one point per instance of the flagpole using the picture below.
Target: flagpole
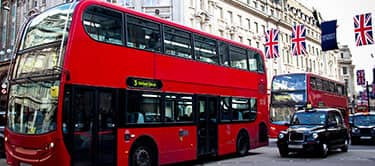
(368, 96)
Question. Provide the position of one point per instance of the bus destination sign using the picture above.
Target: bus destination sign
(133, 82)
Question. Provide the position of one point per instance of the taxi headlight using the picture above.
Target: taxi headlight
(315, 135)
(281, 136)
(355, 130)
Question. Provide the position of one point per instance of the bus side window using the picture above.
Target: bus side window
(143, 34)
(103, 25)
(255, 61)
(225, 108)
(238, 57)
(177, 42)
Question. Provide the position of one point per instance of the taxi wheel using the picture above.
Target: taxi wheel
(284, 152)
(345, 147)
(324, 150)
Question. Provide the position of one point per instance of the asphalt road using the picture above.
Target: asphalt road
(358, 155)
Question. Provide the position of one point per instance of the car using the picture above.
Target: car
(363, 128)
(316, 131)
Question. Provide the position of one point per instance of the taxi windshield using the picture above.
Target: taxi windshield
(364, 120)
(309, 118)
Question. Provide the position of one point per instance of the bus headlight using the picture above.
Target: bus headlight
(281, 136)
(315, 135)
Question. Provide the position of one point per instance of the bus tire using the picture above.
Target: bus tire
(142, 154)
(243, 145)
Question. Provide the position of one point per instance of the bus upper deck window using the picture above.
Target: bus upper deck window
(103, 25)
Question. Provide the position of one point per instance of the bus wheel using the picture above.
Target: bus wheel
(242, 145)
(142, 156)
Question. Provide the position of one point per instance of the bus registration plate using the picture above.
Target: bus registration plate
(24, 164)
(295, 146)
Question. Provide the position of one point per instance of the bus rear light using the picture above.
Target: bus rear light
(6, 139)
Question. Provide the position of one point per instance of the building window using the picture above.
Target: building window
(241, 39)
(255, 4)
(297, 61)
(240, 19)
(230, 17)
(248, 24)
(263, 29)
(5, 28)
(262, 8)
(344, 70)
(35, 4)
(342, 55)
(221, 32)
(256, 27)
(221, 12)
(257, 44)
(249, 42)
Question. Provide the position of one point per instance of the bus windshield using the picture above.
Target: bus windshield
(32, 107)
(289, 82)
(47, 27)
(42, 43)
(34, 86)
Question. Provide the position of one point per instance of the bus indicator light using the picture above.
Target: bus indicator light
(54, 91)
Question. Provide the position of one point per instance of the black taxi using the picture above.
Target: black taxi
(363, 128)
(316, 131)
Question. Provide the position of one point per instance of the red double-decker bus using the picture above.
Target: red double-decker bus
(361, 107)
(98, 84)
(290, 92)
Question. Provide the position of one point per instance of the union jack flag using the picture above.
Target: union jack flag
(272, 43)
(361, 77)
(363, 29)
(298, 40)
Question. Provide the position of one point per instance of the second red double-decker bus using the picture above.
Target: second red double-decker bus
(290, 92)
(98, 84)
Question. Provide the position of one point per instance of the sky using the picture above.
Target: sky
(343, 11)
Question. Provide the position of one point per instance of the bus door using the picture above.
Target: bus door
(89, 126)
(207, 126)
